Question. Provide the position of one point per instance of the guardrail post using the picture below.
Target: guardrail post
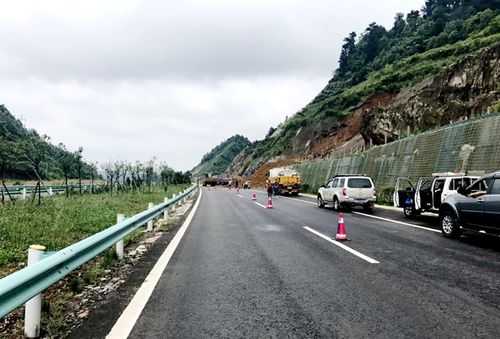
(23, 193)
(150, 223)
(165, 212)
(119, 244)
(33, 307)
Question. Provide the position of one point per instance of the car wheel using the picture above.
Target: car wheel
(336, 204)
(368, 208)
(449, 225)
(321, 203)
(408, 212)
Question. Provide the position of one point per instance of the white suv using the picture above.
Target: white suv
(348, 191)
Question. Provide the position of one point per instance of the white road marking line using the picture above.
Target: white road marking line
(347, 248)
(125, 324)
(259, 204)
(380, 218)
(398, 222)
(304, 201)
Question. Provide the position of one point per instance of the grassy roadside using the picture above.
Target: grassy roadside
(60, 222)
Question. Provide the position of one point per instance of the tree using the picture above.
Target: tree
(399, 25)
(346, 53)
(66, 163)
(78, 162)
(8, 154)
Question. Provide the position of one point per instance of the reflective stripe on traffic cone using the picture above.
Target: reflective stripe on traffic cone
(341, 233)
(270, 202)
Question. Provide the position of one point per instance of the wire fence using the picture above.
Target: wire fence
(472, 147)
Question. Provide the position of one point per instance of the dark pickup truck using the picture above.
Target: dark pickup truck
(475, 208)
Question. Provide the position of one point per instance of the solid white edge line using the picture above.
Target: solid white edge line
(125, 324)
(347, 248)
(398, 222)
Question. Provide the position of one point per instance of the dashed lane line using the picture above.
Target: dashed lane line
(344, 247)
(259, 204)
(379, 218)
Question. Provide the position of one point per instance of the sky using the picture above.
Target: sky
(132, 80)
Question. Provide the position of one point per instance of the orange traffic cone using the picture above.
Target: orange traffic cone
(254, 196)
(270, 202)
(341, 233)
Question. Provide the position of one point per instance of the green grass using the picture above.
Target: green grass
(60, 222)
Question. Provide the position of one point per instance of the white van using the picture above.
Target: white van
(429, 192)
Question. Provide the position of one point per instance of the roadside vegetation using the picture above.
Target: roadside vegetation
(419, 45)
(61, 221)
(220, 157)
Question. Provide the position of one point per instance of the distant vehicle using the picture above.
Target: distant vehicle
(247, 185)
(347, 191)
(475, 208)
(211, 181)
(429, 192)
(285, 181)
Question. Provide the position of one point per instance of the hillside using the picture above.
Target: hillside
(220, 158)
(434, 66)
(24, 154)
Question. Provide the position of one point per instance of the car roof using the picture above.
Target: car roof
(492, 175)
(350, 176)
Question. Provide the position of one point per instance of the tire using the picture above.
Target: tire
(321, 203)
(409, 212)
(449, 225)
(336, 204)
(368, 208)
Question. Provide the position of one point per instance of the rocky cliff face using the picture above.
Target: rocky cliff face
(466, 89)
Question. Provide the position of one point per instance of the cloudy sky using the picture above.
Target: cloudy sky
(130, 79)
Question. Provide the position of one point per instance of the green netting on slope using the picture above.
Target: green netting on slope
(471, 146)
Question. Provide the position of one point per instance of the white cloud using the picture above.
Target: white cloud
(133, 79)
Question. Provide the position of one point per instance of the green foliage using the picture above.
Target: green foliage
(60, 222)
(418, 46)
(26, 155)
(218, 159)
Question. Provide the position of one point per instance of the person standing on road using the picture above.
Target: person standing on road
(269, 190)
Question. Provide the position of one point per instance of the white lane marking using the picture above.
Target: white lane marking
(380, 218)
(259, 204)
(240, 196)
(398, 222)
(125, 324)
(304, 201)
(295, 199)
(347, 248)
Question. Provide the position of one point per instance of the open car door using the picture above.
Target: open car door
(404, 189)
(423, 193)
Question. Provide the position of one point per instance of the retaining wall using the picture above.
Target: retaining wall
(472, 146)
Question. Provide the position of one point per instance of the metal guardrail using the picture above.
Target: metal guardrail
(19, 287)
(18, 189)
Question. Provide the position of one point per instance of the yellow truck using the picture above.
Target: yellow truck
(285, 181)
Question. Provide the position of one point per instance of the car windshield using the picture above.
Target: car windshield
(359, 183)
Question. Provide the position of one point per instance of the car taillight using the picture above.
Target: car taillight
(344, 192)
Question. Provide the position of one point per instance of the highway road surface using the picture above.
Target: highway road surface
(244, 271)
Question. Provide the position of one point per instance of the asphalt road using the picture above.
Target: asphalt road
(243, 271)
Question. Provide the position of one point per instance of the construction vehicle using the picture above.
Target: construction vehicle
(285, 181)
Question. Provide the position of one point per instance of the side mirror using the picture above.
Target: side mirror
(462, 191)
